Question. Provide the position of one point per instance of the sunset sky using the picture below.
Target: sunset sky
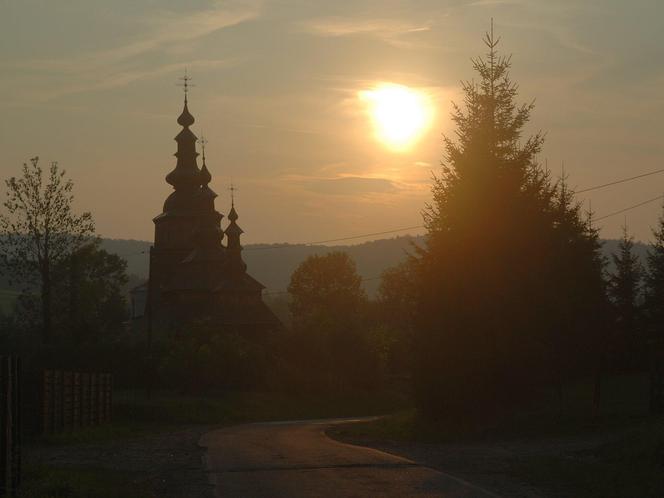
(283, 94)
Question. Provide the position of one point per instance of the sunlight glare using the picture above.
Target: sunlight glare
(400, 114)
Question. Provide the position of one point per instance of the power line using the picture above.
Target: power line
(630, 208)
(385, 232)
(414, 227)
(624, 180)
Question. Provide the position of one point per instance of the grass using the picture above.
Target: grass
(53, 482)
(633, 466)
(624, 403)
(7, 300)
(134, 415)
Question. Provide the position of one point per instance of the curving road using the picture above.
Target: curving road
(296, 459)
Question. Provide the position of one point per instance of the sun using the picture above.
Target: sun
(400, 114)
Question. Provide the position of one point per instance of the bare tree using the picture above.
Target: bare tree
(39, 230)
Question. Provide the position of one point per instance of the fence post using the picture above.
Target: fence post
(10, 426)
(67, 399)
(94, 396)
(85, 399)
(76, 400)
(47, 402)
(73, 399)
(57, 400)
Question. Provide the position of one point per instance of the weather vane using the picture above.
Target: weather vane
(185, 83)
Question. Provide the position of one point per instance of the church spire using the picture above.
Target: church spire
(186, 175)
(233, 232)
(206, 177)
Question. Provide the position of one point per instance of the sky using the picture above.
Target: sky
(278, 86)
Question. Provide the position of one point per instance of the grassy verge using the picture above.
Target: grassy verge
(625, 446)
(633, 466)
(7, 300)
(50, 482)
(624, 405)
(134, 415)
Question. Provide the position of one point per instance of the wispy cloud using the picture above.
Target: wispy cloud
(160, 31)
(388, 30)
(125, 64)
(349, 185)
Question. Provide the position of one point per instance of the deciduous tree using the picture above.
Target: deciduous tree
(39, 230)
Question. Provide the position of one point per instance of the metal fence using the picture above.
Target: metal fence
(72, 400)
(10, 425)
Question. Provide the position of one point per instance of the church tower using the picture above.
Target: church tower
(193, 275)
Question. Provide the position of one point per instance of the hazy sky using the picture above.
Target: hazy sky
(92, 85)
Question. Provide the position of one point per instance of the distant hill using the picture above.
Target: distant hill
(273, 264)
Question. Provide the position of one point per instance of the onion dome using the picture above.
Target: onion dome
(185, 119)
(232, 216)
(186, 175)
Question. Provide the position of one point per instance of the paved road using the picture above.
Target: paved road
(297, 459)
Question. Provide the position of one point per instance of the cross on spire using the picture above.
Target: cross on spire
(203, 141)
(185, 84)
(233, 189)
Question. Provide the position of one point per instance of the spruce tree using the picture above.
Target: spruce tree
(654, 308)
(511, 272)
(624, 288)
(654, 284)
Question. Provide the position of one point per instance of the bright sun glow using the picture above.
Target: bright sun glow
(400, 114)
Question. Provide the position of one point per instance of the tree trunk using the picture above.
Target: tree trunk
(599, 373)
(46, 302)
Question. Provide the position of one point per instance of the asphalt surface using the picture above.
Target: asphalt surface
(297, 459)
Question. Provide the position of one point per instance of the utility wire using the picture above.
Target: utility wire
(624, 180)
(414, 227)
(385, 232)
(629, 208)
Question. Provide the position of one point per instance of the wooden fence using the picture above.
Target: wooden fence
(10, 426)
(75, 399)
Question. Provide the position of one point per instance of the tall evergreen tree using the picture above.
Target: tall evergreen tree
(507, 250)
(624, 288)
(654, 284)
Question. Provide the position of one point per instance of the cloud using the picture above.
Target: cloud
(124, 64)
(158, 32)
(351, 185)
(388, 30)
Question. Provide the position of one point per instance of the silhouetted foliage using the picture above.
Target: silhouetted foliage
(511, 277)
(329, 346)
(40, 231)
(624, 288)
(205, 357)
(89, 299)
(397, 305)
